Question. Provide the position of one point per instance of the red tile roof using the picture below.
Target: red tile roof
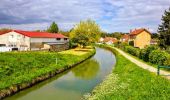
(4, 31)
(125, 37)
(107, 39)
(138, 31)
(39, 34)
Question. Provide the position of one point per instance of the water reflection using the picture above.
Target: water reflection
(87, 72)
(72, 84)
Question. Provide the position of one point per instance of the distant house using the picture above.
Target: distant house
(154, 42)
(140, 38)
(125, 38)
(101, 40)
(110, 40)
(27, 40)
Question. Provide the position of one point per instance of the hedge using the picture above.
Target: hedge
(158, 57)
(133, 51)
(150, 54)
(144, 53)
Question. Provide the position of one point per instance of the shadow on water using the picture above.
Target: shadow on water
(72, 84)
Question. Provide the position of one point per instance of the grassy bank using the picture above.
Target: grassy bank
(19, 70)
(130, 82)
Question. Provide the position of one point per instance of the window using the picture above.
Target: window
(58, 38)
(2, 45)
(65, 38)
(18, 37)
(12, 36)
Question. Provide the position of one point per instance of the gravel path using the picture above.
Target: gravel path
(165, 74)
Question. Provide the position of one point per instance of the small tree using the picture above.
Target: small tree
(53, 28)
(86, 32)
(164, 30)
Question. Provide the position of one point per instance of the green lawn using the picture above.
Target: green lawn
(22, 67)
(130, 82)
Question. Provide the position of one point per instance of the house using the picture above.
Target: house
(125, 38)
(140, 38)
(101, 40)
(154, 42)
(27, 40)
(110, 40)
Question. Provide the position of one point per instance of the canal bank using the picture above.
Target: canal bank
(129, 81)
(81, 55)
(73, 83)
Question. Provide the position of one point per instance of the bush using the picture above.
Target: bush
(144, 53)
(72, 44)
(167, 62)
(158, 57)
(121, 45)
(133, 51)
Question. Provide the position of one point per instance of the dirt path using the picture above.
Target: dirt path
(143, 65)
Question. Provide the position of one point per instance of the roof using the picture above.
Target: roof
(38, 34)
(4, 31)
(125, 36)
(107, 39)
(138, 31)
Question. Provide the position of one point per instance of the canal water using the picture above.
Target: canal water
(74, 83)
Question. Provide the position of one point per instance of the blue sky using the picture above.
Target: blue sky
(111, 15)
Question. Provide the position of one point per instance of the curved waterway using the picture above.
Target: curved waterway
(74, 83)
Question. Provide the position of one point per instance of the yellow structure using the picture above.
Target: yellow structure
(140, 37)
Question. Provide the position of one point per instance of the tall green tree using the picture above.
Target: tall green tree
(53, 28)
(86, 32)
(164, 30)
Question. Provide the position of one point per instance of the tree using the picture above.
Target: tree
(154, 36)
(164, 30)
(53, 28)
(117, 35)
(86, 32)
(65, 33)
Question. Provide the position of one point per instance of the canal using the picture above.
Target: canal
(74, 83)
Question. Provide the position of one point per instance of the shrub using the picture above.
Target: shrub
(133, 51)
(144, 53)
(72, 44)
(121, 45)
(158, 57)
(167, 62)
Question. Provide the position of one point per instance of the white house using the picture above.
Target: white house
(27, 40)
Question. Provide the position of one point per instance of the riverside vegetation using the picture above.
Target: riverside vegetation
(128, 81)
(18, 69)
(151, 54)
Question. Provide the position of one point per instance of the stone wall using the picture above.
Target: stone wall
(59, 47)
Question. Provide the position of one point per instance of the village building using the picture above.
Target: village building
(26, 40)
(140, 38)
(125, 38)
(110, 40)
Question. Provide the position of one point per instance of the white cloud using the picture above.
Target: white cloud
(112, 15)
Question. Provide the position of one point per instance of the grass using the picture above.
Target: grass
(22, 67)
(130, 82)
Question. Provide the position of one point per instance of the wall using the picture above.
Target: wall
(59, 47)
(34, 40)
(142, 40)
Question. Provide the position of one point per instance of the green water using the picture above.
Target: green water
(74, 83)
